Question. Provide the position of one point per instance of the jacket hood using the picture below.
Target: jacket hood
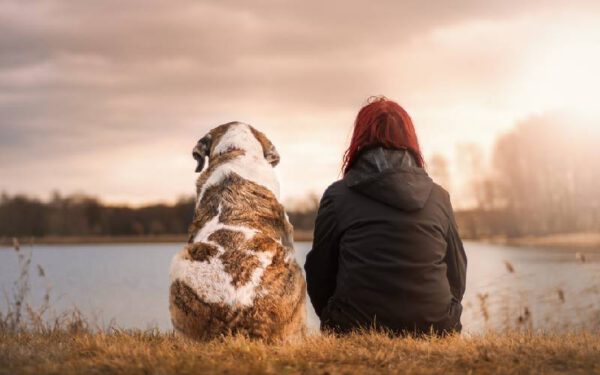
(391, 177)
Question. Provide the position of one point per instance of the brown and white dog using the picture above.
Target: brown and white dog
(238, 273)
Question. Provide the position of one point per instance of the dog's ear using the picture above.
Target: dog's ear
(269, 150)
(201, 151)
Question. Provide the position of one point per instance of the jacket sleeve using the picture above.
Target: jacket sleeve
(456, 260)
(322, 260)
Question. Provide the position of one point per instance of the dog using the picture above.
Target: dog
(238, 274)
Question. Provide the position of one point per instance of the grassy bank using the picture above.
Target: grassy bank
(155, 353)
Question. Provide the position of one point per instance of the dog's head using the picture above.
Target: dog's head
(234, 136)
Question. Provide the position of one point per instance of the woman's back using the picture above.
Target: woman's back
(392, 229)
(386, 250)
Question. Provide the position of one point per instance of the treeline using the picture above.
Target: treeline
(543, 178)
(80, 215)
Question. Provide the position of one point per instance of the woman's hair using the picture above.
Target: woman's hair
(382, 122)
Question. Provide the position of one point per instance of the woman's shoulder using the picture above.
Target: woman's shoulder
(438, 191)
(335, 189)
(442, 199)
(335, 192)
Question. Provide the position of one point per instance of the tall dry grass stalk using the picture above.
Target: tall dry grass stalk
(523, 306)
(22, 315)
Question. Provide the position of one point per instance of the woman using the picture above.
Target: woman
(386, 252)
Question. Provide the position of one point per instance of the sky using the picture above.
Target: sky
(108, 98)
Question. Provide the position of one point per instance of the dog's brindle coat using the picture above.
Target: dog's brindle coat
(238, 274)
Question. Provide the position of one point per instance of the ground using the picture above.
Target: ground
(130, 352)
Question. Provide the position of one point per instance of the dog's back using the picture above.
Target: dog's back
(238, 273)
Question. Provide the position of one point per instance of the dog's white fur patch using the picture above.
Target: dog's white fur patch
(214, 225)
(209, 280)
(251, 166)
(211, 283)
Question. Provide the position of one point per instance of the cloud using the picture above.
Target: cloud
(84, 82)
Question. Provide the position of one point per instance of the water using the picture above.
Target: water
(128, 284)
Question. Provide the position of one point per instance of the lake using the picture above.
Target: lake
(127, 285)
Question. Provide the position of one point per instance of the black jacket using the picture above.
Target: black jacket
(386, 250)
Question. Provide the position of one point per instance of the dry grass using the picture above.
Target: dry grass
(63, 352)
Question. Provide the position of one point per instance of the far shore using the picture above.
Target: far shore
(299, 235)
(566, 241)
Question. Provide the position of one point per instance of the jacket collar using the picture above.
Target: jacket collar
(390, 176)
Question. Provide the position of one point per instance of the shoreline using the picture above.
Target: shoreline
(584, 241)
(299, 235)
(85, 240)
(566, 241)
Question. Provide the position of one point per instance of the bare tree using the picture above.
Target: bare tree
(547, 174)
(478, 180)
(438, 170)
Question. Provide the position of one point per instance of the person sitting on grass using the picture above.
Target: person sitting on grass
(386, 252)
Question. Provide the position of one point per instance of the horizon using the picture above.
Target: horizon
(114, 112)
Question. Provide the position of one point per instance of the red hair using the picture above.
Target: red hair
(382, 122)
